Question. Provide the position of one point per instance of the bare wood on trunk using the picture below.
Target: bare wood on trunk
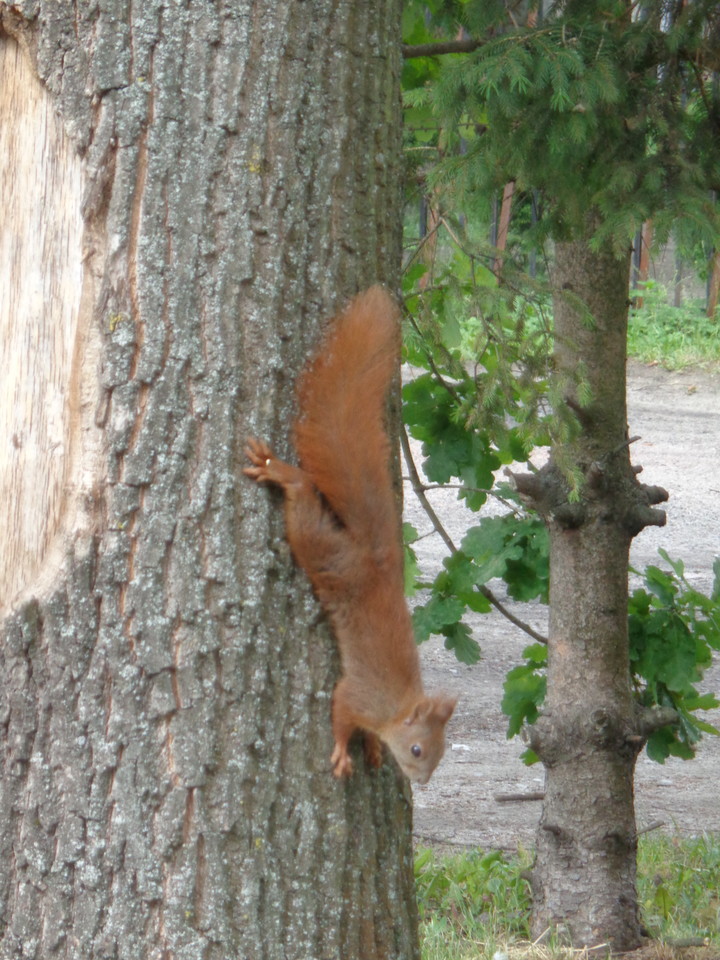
(48, 441)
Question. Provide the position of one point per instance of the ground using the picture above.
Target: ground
(677, 416)
(652, 950)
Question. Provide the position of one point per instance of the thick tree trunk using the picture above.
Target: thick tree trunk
(591, 731)
(166, 677)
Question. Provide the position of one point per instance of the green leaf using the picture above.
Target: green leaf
(512, 547)
(460, 579)
(662, 649)
(458, 638)
(411, 569)
(704, 701)
(677, 565)
(661, 584)
(409, 532)
(529, 757)
(536, 653)
(524, 691)
(436, 615)
(639, 603)
(663, 900)
(705, 727)
(413, 274)
(659, 743)
(490, 546)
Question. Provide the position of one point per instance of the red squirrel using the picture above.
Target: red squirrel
(343, 528)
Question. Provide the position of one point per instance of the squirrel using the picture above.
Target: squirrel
(343, 528)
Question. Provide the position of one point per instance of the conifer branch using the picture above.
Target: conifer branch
(466, 45)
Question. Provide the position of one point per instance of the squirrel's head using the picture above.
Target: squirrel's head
(417, 741)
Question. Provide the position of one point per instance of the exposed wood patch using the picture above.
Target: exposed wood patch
(45, 354)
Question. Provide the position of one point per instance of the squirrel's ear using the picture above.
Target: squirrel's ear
(412, 717)
(444, 708)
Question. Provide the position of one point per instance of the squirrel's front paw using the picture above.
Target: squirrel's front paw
(341, 763)
(261, 456)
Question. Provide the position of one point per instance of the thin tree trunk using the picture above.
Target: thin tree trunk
(166, 676)
(430, 236)
(714, 285)
(591, 731)
(504, 224)
(643, 271)
(646, 238)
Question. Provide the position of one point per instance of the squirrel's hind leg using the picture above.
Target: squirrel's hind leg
(372, 748)
(343, 727)
(344, 724)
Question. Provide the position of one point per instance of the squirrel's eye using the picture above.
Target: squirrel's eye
(416, 750)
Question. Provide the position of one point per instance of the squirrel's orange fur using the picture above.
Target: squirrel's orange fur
(342, 525)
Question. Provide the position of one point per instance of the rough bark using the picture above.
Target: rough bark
(165, 696)
(591, 731)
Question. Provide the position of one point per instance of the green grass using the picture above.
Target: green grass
(470, 903)
(476, 905)
(679, 886)
(675, 337)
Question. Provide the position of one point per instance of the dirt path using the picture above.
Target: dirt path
(677, 416)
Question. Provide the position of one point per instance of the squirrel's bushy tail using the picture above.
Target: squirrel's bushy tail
(340, 437)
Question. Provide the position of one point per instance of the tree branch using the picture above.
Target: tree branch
(466, 45)
(653, 825)
(419, 492)
(655, 494)
(518, 797)
(434, 367)
(653, 718)
(423, 240)
(640, 516)
(528, 485)
(501, 608)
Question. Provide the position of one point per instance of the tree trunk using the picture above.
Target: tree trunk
(643, 260)
(218, 178)
(503, 225)
(591, 730)
(713, 285)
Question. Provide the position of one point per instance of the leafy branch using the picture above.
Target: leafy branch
(419, 489)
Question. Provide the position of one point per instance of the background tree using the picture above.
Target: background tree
(214, 180)
(606, 113)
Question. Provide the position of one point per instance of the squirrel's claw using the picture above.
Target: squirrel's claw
(341, 763)
(260, 455)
